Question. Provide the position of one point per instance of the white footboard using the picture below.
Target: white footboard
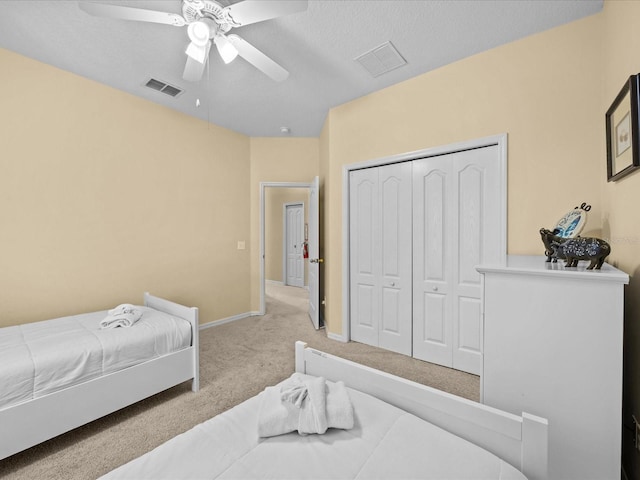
(188, 313)
(519, 440)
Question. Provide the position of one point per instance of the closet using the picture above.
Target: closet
(417, 230)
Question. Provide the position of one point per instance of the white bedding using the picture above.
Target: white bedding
(43, 357)
(386, 443)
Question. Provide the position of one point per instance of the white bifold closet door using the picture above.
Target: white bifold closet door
(417, 230)
(380, 256)
(457, 205)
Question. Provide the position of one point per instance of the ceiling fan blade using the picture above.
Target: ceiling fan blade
(258, 59)
(199, 53)
(130, 13)
(252, 11)
(194, 69)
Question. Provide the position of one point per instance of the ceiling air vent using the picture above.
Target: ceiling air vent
(381, 59)
(163, 87)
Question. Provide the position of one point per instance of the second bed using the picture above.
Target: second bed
(56, 375)
(401, 430)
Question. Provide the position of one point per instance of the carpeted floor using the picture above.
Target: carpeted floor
(237, 360)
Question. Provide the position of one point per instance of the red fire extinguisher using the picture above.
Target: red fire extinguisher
(305, 250)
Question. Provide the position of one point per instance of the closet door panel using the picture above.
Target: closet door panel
(390, 207)
(467, 319)
(434, 340)
(364, 262)
(432, 259)
(477, 230)
(391, 312)
(432, 221)
(470, 223)
(365, 315)
(468, 353)
(434, 326)
(480, 190)
(395, 253)
(470, 313)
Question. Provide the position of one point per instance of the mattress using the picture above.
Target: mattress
(43, 357)
(386, 443)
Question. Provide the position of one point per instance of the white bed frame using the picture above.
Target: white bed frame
(520, 440)
(30, 423)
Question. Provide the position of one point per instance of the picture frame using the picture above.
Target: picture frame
(623, 147)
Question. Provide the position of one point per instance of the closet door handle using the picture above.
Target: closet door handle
(435, 289)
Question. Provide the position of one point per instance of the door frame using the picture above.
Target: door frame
(498, 140)
(263, 186)
(285, 228)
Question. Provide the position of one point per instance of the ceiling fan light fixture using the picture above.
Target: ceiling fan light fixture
(208, 22)
(227, 51)
(198, 33)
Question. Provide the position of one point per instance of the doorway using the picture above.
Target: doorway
(311, 264)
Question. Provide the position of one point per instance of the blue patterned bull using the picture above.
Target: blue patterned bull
(574, 249)
(586, 248)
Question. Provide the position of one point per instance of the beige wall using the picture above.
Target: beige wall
(620, 200)
(293, 160)
(105, 196)
(108, 198)
(542, 91)
(275, 200)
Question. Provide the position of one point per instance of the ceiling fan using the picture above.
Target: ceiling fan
(207, 21)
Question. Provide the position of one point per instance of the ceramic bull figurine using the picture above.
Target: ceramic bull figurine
(585, 248)
(551, 240)
(574, 249)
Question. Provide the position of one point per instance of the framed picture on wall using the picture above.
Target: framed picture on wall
(623, 149)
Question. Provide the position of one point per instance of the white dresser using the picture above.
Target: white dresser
(553, 348)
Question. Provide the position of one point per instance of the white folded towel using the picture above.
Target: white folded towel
(122, 308)
(305, 404)
(313, 411)
(339, 409)
(124, 315)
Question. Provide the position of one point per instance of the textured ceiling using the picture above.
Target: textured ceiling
(317, 46)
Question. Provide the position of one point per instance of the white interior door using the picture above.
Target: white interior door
(433, 252)
(457, 225)
(478, 206)
(314, 252)
(364, 231)
(380, 256)
(394, 205)
(294, 238)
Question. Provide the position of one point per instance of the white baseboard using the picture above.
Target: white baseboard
(335, 336)
(222, 321)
